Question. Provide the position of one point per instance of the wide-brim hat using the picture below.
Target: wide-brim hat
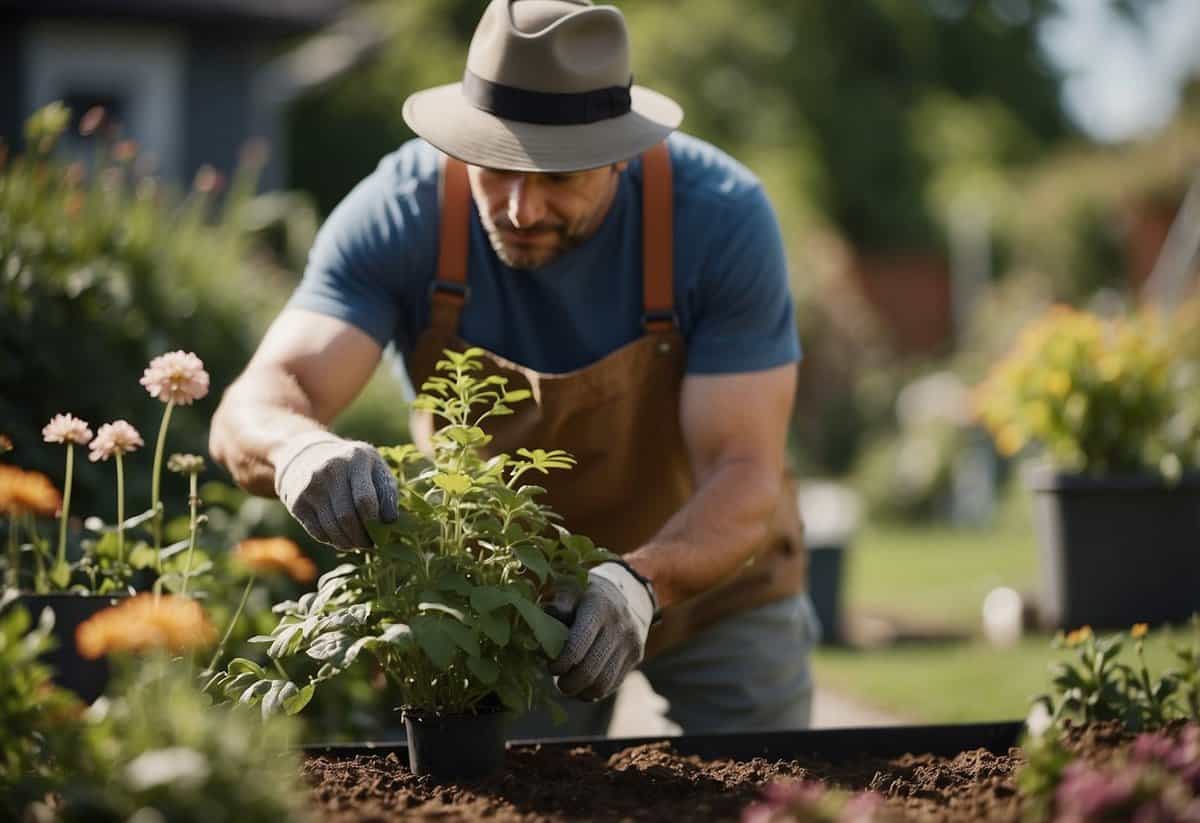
(547, 88)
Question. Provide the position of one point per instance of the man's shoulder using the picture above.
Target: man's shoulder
(414, 163)
(704, 173)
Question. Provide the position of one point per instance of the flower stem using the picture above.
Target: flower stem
(154, 485)
(193, 502)
(120, 511)
(14, 553)
(212, 666)
(39, 563)
(66, 506)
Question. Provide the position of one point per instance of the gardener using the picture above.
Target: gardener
(638, 285)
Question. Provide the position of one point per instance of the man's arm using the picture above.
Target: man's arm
(735, 429)
(308, 368)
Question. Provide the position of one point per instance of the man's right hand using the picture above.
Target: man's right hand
(334, 486)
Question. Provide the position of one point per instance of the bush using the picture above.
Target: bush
(102, 270)
(1098, 396)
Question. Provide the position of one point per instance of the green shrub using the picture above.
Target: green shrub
(99, 272)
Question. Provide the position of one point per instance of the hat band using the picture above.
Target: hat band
(546, 108)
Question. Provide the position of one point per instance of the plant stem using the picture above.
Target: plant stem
(120, 511)
(39, 562)
(212, 666)
(193, 503)
(66, 506)
(279, 668)
(154, 485)
(14, 553)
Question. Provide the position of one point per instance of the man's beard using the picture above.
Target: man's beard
(531, 257)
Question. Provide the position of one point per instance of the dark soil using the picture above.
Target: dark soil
(654, 783)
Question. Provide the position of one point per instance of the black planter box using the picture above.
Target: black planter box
(87, 678)
(1115, 551)
(832, 745)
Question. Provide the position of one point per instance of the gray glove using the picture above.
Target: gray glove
(608, 633)
(333, 486)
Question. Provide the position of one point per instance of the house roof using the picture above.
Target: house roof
(276, 16)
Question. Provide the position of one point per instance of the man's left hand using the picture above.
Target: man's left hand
(608, 634)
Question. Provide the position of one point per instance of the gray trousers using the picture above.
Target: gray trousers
(748, 672)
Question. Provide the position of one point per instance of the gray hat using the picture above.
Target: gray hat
(547, 88)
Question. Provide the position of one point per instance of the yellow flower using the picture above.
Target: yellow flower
(1079, 636)
(275, 554)
(1139, 630)
(1057, 383)
(145, 623)
(1010, 440)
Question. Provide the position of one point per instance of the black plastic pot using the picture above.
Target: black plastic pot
(87, 678)
(455, 746)
(1115, 551)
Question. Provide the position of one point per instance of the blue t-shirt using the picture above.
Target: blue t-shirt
(376, 254)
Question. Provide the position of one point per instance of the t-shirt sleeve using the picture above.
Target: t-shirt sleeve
(744, 319)
(360, 260)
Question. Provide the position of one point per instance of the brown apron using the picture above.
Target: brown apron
(619, 417)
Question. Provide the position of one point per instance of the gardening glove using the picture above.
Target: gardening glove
(334, 486)
(607, 635)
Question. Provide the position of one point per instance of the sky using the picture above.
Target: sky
(1124, 82)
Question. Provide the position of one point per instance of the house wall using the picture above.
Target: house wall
(222, 112)
(141, 67)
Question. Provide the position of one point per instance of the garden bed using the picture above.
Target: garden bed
(963, 772)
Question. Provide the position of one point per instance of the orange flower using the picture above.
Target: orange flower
(27, 492)
(1139, 630)
(275, 554)
(1079, 636)
(145, 623)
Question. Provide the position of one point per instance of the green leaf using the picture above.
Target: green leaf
(489, 598)
(452, 483)
(295, 703)
(454, 581)
(328, 646)
(60, 575)
(437, 645)
(495, 627)
(532, 558)
(241, 664)
(286, 640)
(274, 698)
(399, 634)
(426, 606)
(550, 634)
(517, 395)
(486, 670)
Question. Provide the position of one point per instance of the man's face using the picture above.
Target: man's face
(533, 218)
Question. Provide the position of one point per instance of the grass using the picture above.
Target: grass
(939, 575)
(953, 683)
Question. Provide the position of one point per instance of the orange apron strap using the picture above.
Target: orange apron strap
(658, 270)
(448, 292)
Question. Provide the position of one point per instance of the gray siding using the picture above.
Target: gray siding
(217, 114)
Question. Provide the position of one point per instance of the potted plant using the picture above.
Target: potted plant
(108, 565)
(1113, 407)
(452, 599)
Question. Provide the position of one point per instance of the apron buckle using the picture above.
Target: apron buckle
(461, 291)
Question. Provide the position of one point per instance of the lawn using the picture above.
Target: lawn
(937, 576)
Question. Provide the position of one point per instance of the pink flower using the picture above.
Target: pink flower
(64, 428)
(117, 438)
(176, 377)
